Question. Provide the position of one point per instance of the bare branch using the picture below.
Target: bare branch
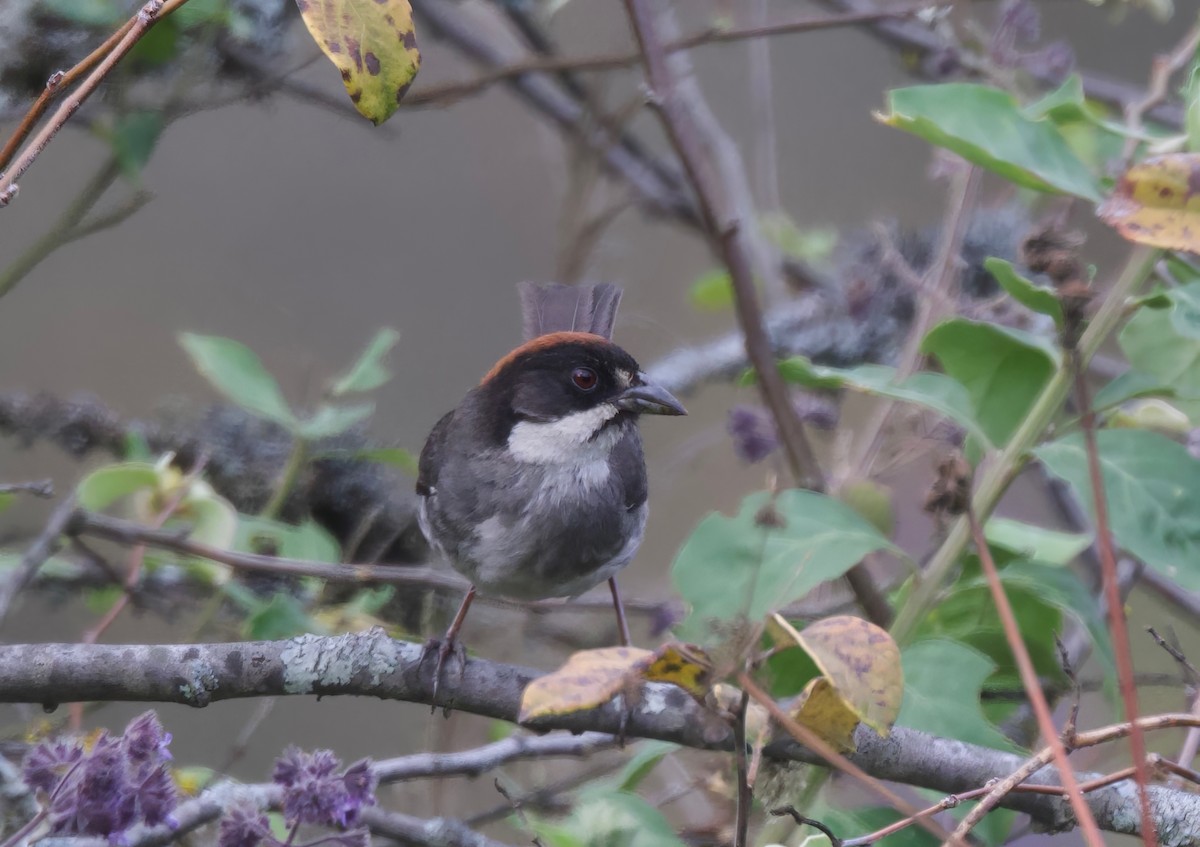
(370, 664)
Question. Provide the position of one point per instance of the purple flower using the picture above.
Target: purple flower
(145, 739)
(753, 433)
(360, 780)
(49, 761)
(156, 796)
(103, 801)
(243, 826)
(315, 794)
(107, 789)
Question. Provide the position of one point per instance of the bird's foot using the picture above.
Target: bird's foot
(443, 647)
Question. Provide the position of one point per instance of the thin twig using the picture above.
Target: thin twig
(940, 282)
(43, 488)
(832, 757)
(39, 551)
(714, 168)
(138, 26)
(1162, 69)
(63, 228)
(745, 798)
(443, 93)
(82, 522)
(58, 83)
(712, 165)
(1012, 633)
(805, 821)
(1012, 458)
(1112, 592)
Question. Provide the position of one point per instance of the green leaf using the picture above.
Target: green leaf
(368, 373)
(397, 457)
(1130, 386)
(234, 371)
(712, 291)
(968, 616)
(214, 521)
(333, 420)
(198, 12)
(1153, 345)
(951, 711)
(1062, 588)
(134, 138)
(646, 757)
(985, 126)
(6, 500)
(1185, 310)
(934, 391)
(273, 538)
(814, 244)
(1152, 486)
(774, 551)
(608, 818)
(281, 617)
(100, 600)
(158, 46)
(104, 486)
(1036, 298)
(1003, 369)
(373, 44)
(93, 13)
(1035, 542)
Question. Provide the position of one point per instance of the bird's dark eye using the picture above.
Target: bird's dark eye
(585, 379)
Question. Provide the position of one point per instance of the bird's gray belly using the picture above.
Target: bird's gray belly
(551, 540)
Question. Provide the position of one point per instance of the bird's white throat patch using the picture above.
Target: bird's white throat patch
(571, 440)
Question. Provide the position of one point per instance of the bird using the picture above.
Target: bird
(535, 485)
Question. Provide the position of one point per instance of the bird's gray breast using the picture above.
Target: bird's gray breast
(531, 531)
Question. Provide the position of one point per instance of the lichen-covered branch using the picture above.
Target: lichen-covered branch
(371, 664)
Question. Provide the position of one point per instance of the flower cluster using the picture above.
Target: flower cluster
(104, 788)
(316, 792)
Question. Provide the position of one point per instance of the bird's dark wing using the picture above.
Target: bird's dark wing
(554, 307)
(431, 455)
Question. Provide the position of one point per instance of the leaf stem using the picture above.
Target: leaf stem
(1008, 464)
(1114, 601)
(291, 472)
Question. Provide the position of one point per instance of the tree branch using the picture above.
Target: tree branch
(715, 171)
(372, 665)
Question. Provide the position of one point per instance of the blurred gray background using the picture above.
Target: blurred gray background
(300, 232)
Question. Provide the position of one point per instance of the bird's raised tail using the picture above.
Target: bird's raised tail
(554, 307)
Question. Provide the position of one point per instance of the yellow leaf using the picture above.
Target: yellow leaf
(588, 679)
(1157, 202)
(822, 709)
(373, 44)
(684, 665)
(858, 659)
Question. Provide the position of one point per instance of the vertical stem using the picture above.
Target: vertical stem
(745, 799)
(1113, 599)
(291, 472)
(1037, 697)
(1008, 464)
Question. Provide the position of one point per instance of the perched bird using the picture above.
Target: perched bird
(535, 485)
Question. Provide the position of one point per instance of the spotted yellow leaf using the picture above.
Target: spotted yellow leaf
(1157, 202)
(859, 660)
(685, 665)
(373, 44)
(823, 710)
(588, 679)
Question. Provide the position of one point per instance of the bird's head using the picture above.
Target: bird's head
(565, 396)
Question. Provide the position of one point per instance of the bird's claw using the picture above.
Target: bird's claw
(444, 647)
